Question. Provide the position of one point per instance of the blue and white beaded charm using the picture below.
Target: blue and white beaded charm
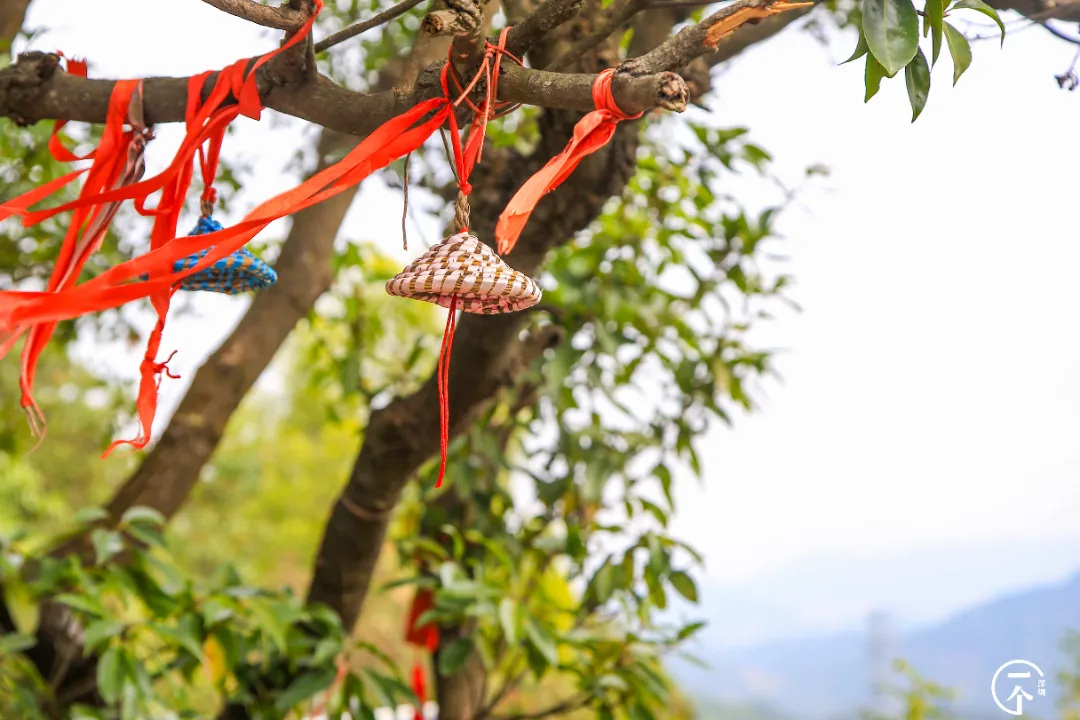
(237, 273)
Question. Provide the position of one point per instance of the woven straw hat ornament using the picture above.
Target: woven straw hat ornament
(461, 272)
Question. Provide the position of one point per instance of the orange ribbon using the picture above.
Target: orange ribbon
(591, 133)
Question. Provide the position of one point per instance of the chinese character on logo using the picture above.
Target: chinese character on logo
(1019, 673)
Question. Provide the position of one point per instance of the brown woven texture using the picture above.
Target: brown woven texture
(461, 265)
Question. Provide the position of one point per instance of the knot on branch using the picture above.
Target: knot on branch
(20, 84)
(672, 92)
(460, 18)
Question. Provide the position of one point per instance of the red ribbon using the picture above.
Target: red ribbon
(425, 636)
(591, 133)
(465, 159)
(116, 160)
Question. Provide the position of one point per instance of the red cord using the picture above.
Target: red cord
(444, 380)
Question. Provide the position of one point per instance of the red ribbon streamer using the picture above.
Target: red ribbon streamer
(425, 636)
(591, 133)
(117, 159)
(392, 140)
(465, 159)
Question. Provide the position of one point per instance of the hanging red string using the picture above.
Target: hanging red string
(591, 133)
(424, 636)
(465, 159)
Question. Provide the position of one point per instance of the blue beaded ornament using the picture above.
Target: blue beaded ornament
(237, 273)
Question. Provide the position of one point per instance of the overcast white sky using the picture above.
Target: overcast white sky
(932, 392)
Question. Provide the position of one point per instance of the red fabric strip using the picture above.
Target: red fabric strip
(208, 123)
(116, 159)
(426, 635)
(591, 133)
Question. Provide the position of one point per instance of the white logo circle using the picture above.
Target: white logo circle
(1018, 692)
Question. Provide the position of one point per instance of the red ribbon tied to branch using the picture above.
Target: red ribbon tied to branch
(591, 133)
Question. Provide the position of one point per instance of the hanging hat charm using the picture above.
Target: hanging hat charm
(465, 270)
(462, 272)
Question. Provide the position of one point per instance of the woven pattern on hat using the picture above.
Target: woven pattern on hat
(463, 266)
(237, 273)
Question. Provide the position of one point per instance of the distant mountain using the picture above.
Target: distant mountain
(828, 676)
(833, 592)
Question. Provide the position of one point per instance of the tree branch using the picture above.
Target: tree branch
(279, 18)
(550, 15)
(568, 705)
(12, 15)
(34, 89)
(705, 36)
(619, 14)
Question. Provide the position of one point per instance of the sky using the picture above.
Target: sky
(930, 401)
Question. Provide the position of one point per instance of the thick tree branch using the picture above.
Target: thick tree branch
(279, 18)
(34, 88)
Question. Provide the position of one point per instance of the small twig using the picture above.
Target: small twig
(353, 30)
(550, 15)
(619, 15)
(280, 18)
(1058, 33)
(699, 39)
(674, 4)
(405, 207)
(568, 705)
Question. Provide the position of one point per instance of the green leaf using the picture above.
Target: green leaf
(959, 49)
(107, 543)
(891, 28)
(15, 643)
(603, 582)
(874, 74)
(111, 674)
(860, 48)
(304, 687)
(510, 619)
(917, 79)
(89, 605)
(88, 515)
(189, 633)
(980, 6)
(542, 641)
(934, 21)
(684, 585)
(688, 630)
(100, 631)
(454, 655)
(142, 515)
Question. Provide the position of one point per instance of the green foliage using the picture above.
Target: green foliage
(917, 698)
(889, 39)
(164, 641)
(1068, 678)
